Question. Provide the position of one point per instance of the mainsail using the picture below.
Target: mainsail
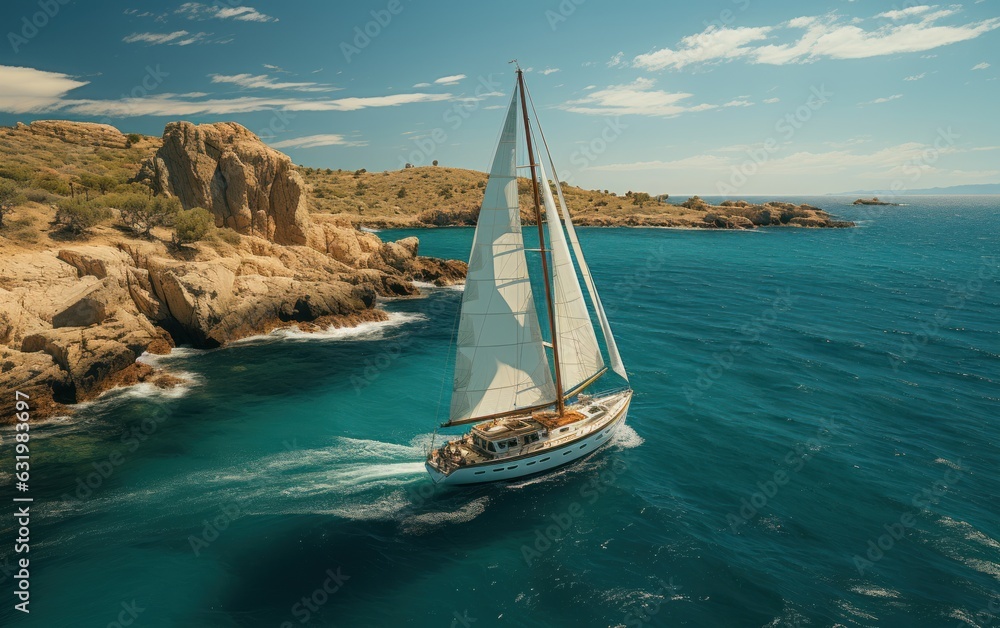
(500, 363)
(579, 354)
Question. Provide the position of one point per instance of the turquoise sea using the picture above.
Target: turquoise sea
(814, 441)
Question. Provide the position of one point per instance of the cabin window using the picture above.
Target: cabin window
(512, 442)
(490, 446)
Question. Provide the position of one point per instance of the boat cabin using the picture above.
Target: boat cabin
(505, 437)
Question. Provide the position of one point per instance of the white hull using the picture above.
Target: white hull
(581, 442)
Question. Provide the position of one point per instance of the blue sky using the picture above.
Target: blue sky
(721, 97)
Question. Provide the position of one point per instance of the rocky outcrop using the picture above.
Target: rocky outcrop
(84, 133)
(746, 215)
(223, 167)
(871, 201)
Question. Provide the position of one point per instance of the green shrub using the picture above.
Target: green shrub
(101, 183)
(78, 215)
(192, 225)
(52, 183)
(132, 138)
(141, 213)
(38, 195)
(401, 193)
(16, 172)
(227, 235)
(10, 197)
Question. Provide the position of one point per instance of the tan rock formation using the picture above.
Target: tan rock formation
(226, 169)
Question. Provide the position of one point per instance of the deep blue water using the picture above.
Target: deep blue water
(802, 396)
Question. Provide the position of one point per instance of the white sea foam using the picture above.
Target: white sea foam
(418, 524)
(872, 591)
(373, 330)
(970, 532)
(626, 438)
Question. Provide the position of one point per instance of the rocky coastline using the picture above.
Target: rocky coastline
(76, 313)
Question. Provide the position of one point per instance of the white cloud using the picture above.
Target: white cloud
(548, 71)
(590, 87)
(176, 38)
(449, 80)
(636, 98)
(713, 44)
(914, 29)
(314, 141)
(772, 100)
(24, 90)
(915, 77)
(27, 90)
(616, 60)
(981, 66)
(739, 102)
(262, 81)
(198, 11)
(879, 101)
(899, 14)
(422, 85)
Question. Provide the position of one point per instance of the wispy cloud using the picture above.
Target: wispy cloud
(772, 100)
(315, 141)
(26, 90)
(879, 101)
(713, 44)
(198, 11)
(616, 60)
(548, 71)
(637, 98)
(262, 81)
(981, 66)
(176, 38)
(914, 29)
(915, 77)
(454, 79)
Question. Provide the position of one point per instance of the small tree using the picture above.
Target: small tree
(401, 193)
(10, 197)
(141, 213)
(102, 183)
(641, 198)
(192, 225)
(131, 139)
(78, 215)
(434, 163)
(408, 165)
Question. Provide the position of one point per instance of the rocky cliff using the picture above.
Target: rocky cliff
(75, 314)
(248, 186)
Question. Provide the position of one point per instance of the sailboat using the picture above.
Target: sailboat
(526, 397)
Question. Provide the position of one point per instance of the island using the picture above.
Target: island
(872, 201)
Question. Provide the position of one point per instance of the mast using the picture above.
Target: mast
(560, 402)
